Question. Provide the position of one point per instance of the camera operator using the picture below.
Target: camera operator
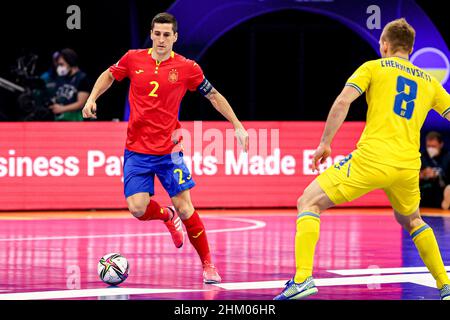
(435, 173)
(72, 88)
(50, 76)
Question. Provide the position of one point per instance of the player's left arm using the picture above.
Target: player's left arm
(441, 102)
(336, 117)
(81, 100)
(197, 81)
(221, 104)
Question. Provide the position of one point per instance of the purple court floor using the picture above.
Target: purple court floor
(362, 254)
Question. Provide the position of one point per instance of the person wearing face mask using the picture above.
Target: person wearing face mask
(50, 76)
(72, 88)
(435, 173)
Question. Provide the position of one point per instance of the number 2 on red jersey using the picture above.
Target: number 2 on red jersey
(155, 88)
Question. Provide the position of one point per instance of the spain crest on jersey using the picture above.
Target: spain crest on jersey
(173, 76)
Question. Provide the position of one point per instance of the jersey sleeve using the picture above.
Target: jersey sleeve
(195, 77)
(441, 99)
(120, 69)
(361, 78)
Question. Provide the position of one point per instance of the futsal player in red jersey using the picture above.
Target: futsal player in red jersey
(159, 79)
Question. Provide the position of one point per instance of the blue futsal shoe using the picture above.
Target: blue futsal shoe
(295, 291)
(445, 292)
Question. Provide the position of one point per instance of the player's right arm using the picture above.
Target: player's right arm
(336, 117)
(104, 81)
(355, 86)
(118, 72)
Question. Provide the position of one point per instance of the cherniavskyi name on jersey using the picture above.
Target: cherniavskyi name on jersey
(412, 71)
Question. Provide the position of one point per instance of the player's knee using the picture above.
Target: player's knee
(306, 203)
(300, 202)
(410, 224)
(184, 209)
(137, 209)
(303, 202)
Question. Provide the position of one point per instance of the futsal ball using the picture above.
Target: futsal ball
(113, 268)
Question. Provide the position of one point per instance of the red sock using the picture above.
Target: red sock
(197, 236)
(155, 212)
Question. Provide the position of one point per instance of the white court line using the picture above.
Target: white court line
(256, 225)
(357, 272)
(422, 279)
(86, 293)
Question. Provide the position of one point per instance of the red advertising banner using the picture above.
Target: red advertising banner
(79, 165)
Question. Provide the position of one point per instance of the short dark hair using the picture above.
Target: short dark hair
(434, 135)
(165, 17)
(400, 34)
(70, 56)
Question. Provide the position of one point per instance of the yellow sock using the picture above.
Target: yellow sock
(426, 244)
(306, 237)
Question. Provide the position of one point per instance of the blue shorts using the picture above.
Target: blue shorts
(139, 173)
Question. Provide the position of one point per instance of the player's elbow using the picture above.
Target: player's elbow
(342, 103)
(213, 95)
(108, 74)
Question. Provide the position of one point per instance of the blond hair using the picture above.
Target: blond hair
(400, 34)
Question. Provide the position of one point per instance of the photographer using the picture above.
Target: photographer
(72, 88)
(50, 76)
(435, 173)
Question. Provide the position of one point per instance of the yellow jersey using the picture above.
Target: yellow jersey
(399, 96)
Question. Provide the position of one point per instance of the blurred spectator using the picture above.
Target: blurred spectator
(435, 173)
(72, 88)
(50, 76)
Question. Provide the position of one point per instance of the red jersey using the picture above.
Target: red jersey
(155, 95)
